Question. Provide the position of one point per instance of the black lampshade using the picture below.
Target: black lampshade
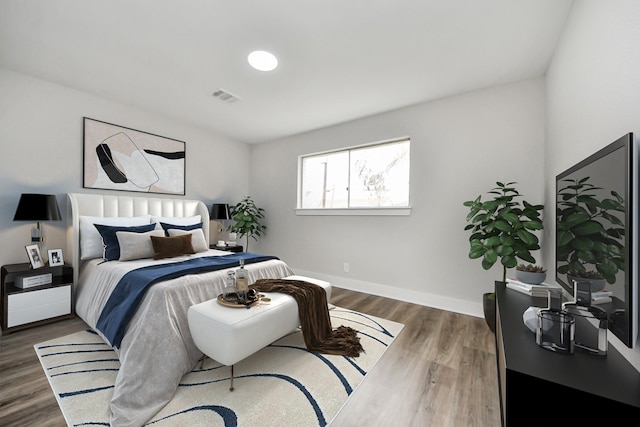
(220, 211)
(37, 207)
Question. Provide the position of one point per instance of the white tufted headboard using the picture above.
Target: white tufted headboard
(125, 206)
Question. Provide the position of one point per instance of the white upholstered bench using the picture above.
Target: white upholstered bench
(228, 335)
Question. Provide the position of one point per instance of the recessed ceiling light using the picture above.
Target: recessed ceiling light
(263, 61)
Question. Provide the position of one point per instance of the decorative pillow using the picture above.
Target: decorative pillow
(136, 245)
(198, 241)
(184, 220)
(110, 240)
(90, 241)
(169, 247)
(166, 227)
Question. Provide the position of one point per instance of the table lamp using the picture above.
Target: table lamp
(37, 207)
(220, 213)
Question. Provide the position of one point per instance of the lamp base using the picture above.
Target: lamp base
(38, 238)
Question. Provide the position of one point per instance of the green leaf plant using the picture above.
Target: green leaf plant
(248, 218)
(590, 234)
(502, 228)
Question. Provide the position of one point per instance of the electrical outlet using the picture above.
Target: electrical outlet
(346, 267)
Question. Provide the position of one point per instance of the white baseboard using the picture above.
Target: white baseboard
(416, 297)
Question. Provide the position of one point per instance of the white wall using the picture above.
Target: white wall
(460, 147)
(41, 152)
(592, 94)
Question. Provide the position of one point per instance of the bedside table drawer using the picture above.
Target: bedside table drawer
(27, 307)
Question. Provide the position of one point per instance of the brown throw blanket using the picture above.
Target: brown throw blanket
(318, 334)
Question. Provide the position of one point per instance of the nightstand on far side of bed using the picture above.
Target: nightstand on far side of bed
(47, 299)
(228, 248)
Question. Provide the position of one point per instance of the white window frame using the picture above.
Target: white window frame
(366, 211)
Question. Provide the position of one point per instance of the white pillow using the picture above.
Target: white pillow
(136, 245)
(181, 220)
(198, 241)
(90, 241)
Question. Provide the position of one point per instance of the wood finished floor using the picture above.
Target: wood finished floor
(440, 371)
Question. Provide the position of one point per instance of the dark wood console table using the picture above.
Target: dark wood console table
(540, 387)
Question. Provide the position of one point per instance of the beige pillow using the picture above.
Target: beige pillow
(169, 247)
(197, 238)
(136, 245)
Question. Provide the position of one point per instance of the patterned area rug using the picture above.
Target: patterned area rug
(282, 384)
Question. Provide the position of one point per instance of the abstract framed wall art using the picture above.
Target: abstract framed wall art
(120, 158)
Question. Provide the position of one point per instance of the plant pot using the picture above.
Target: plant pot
(489, 309)
(530, 277)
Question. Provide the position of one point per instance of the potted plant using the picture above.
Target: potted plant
(590, 235)
(531, 274)
(502, 229)
(247, 217)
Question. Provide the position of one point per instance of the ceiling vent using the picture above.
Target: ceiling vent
(225, 96)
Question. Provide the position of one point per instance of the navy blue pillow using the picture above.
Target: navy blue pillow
(166, 227)
(110, 239)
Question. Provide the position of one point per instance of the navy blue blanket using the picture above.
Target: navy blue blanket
(128, 293)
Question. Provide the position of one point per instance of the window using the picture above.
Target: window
(370, 176)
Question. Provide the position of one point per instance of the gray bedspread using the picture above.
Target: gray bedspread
(157, 349)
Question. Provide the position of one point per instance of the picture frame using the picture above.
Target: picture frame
(33, 252)
(120, 158)
(55, 257)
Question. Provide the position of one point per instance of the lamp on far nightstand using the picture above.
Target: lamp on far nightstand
(220, 213)
(37, 207)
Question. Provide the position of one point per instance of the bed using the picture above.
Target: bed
(156, 348)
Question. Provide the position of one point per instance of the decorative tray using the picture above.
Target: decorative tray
(236, 303)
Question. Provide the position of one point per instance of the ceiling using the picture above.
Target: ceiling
(338, 60)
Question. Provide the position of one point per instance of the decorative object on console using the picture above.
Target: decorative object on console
(530, 318)
(37, 207)
(531, 274)
(555, 331)
(539, 290)
(555, 328)
(592, 322)
(120, 158)
(565, 327)
(501, 228)
(248, 219)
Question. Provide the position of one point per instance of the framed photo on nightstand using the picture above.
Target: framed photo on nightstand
(55, 257)
(33, 251)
